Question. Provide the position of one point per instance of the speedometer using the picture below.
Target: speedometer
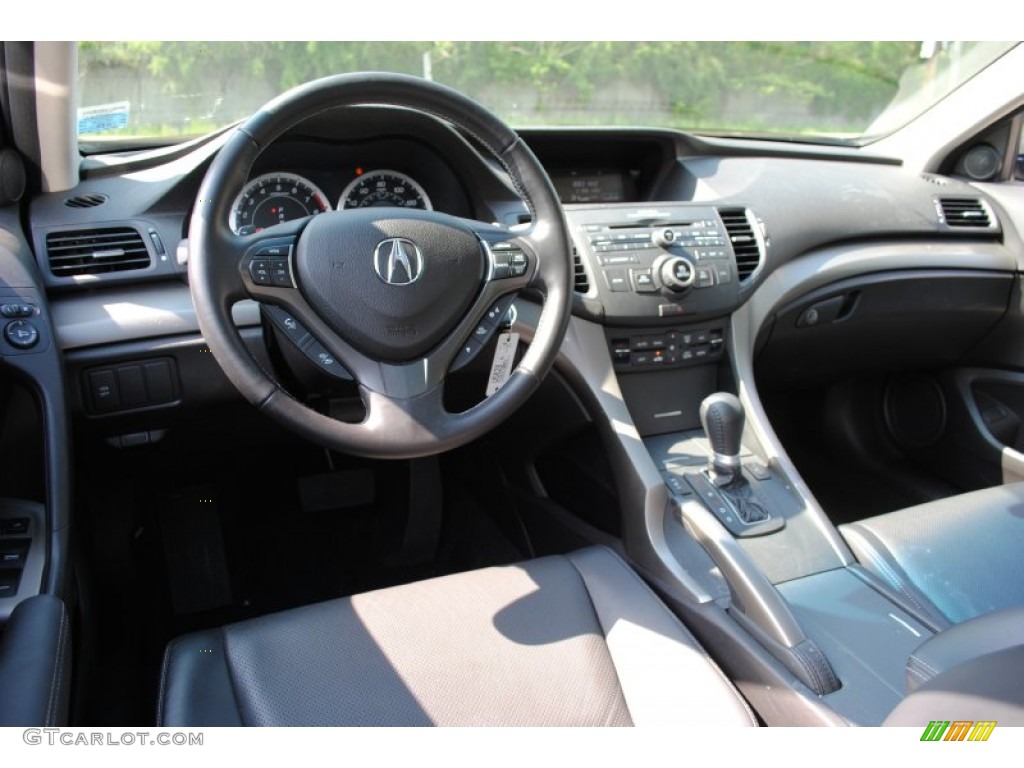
(384, 188)
(274, 198)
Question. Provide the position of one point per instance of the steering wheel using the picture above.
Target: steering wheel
(392, 293)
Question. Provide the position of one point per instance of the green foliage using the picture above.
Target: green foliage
(690, 84)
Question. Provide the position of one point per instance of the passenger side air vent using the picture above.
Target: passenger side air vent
(85, 201)
(964, 212)
(581, 283)
(745, 245)
(96, 251)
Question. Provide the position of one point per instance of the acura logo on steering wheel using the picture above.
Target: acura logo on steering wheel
(398, 261)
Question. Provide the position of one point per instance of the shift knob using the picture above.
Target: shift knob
(721, 415)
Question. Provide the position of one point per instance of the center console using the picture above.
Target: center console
(714, 513)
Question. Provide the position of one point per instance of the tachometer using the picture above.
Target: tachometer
(384, 188)
(274, 198)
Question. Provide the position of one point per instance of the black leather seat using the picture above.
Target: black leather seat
(573, 640)
(950, 560)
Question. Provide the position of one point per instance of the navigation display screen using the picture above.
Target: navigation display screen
(589, 186)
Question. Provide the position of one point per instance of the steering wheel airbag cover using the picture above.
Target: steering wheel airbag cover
(392, 286)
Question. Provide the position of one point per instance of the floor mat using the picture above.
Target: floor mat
(225, 537)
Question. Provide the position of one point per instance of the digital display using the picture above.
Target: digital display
(589, 186)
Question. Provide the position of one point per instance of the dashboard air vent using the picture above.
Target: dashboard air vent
(85, 201)
(964, 212)
(96, 251)
(745, 244)
(581, 282)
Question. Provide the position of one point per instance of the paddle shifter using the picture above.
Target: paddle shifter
(721, 415)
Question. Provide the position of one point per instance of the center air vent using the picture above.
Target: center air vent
(96, 251)
(964, 212)
(581, 283)
(740, 228)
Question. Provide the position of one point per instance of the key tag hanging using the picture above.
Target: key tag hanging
(504, 358)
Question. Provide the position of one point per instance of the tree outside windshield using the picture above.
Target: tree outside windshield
(825, 90)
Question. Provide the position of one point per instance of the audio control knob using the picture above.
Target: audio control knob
(664, 237)
(677, 273)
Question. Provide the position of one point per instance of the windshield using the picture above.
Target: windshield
(842, 92)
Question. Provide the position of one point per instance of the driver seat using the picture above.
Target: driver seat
(568, 640)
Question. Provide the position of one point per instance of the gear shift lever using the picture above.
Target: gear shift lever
(721, 415)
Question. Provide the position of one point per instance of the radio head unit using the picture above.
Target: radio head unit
(662, 261)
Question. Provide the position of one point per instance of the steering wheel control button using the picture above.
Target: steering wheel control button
(103, 388)
(508, 261)
(259, 271)
(466, 354)
(280, 275)
(317, 353)
(272, 251)
(270, 263)
(22, 334)
(284, 321)
(496, 314)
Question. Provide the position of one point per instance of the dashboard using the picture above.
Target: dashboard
(671, 232)
(692, 257)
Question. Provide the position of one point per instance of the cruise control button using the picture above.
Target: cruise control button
(22, 334)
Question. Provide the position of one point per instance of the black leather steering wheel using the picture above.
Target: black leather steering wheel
(392, 293)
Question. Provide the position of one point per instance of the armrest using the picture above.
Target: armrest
(962, 642)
